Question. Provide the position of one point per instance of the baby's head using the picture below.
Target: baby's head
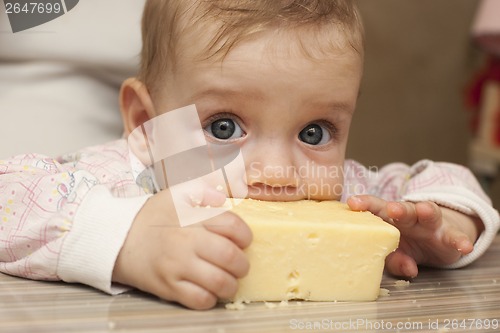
(280, 78)
(208, 30)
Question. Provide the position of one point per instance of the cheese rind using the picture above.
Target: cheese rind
(317, 251)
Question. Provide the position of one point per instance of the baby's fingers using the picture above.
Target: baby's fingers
(232, 227)
(224, 254)
(400, 264)
(213, 279)
(406, 214)
(193, 296)
(369, 203)
(459, 241)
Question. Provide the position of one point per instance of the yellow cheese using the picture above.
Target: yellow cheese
(317, 251)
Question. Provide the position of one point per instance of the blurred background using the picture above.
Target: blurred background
(420, 58)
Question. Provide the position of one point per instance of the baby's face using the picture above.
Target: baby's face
(290, 114)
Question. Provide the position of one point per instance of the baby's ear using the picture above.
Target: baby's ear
(135, 104)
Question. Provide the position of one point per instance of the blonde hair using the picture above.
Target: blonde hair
(166, 22)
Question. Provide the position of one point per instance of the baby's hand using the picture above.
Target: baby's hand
(430, 235)
(193, 265)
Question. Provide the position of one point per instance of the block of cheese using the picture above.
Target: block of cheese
(310, 250)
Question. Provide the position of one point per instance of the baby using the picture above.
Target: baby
(277, 78)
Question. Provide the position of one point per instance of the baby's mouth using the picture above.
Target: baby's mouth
(275, 193)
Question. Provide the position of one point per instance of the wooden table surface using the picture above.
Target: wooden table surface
(464, 300)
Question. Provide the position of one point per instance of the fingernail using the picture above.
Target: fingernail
(355, 199)
(407, 271)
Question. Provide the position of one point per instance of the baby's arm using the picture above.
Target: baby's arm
(195, 265)
(85, 220)
(67, 220)
(444, 217)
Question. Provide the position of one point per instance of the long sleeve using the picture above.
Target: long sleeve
(67, 219)
(446, 184)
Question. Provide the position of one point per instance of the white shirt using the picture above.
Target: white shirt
(62, 79)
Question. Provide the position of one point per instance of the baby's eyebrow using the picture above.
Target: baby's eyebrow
(336, 106)
(257, 95)
(228, 92)
(342, 106)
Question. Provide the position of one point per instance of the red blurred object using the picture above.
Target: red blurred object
(485, 33)
(489, 72)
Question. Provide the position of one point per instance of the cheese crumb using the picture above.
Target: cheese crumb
(195, 201)
(238, 305)
(401, 283)
(383, 292)
(270, 305)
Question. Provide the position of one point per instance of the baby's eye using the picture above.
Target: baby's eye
(224, 129)
(314, 134)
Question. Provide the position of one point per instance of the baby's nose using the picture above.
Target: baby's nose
(272, 170)
(272, 175)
